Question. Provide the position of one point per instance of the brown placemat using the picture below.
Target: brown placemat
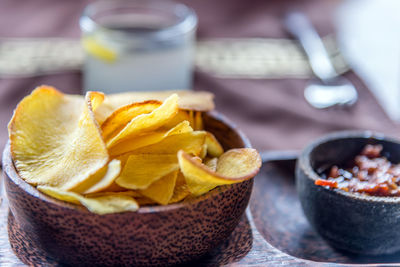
(275, 115)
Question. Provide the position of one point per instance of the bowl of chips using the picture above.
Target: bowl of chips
(125, 179)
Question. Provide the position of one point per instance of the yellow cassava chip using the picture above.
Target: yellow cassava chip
(161, 190)
(190, 142)
(198, 121)
(182, 115)
(180, 128)
(114, 187)
(148, 139)
(60, 194)
(101, 180)
(102, 112)
(147, 122)
(145, 201)
(191, 117)
(189, 100)
(55, 139)
(211, 163)
(96, 99)
(214, 148)
(100, 205)
(122, 116)
(181, 189)
(239, 162)
(110, 204)
(200, 179)
(203, 152)
(141, 170)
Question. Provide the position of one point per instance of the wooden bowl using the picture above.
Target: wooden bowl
(156, 235)
(348, 221)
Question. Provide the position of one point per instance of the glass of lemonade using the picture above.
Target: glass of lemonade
(138, 45)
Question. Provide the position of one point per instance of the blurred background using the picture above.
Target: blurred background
(244, 55)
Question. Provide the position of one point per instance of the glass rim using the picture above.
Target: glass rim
(186, 23)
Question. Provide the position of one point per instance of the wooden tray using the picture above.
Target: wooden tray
(273, 231)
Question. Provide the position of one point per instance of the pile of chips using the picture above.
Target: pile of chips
(114, 153)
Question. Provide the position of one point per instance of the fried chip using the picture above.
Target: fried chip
(188, 100)
(145, 201)
(122, 116)
(142, 170)
(100, 205)
(214, 148)
(239, 163)
(180, 128)
(55, 139)
(161, 190)
(203, 152)
(96, 99)
(211, 163)
(101, 180)
(190, 142)
(198, 121)
(182, 115)
(102, 112)
(181, 189)
(61, 194)
(110, 204)
(147, 122)
(148, 139)
(191, 117)
(233, 168)
(114, 187)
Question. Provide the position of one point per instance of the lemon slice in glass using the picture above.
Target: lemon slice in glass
(98, 50)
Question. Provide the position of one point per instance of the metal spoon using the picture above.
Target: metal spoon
(331, 89)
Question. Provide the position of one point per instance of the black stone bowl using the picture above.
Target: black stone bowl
(348, 221)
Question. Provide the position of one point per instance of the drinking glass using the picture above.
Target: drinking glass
(138, 45)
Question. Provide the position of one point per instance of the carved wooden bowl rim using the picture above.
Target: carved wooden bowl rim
(12, 173)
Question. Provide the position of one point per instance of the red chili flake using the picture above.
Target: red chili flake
(377, 190)
(322, 182)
